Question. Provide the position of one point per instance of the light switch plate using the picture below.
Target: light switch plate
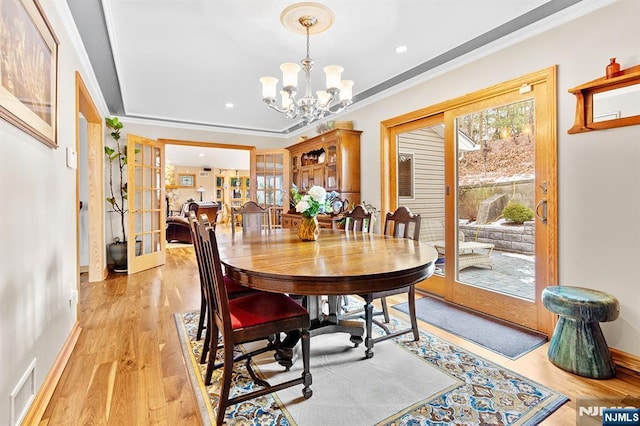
(72, 158)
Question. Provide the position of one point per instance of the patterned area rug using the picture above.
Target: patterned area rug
(483, 393)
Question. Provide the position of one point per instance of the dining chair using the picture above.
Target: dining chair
(400, 224)
(247, 319)
(358, 219)
(234, 289)
(275, 216)
(252, 216)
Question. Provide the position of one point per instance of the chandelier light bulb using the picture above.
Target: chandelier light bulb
(268, 87)
(346, 90)
(290, 72)
(286, 100)
(334, 73)
(323, 98)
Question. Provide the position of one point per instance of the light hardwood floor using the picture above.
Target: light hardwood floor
(127, 367)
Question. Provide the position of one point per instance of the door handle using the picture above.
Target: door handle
(542, 204)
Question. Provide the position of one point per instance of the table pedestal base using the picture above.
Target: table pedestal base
(321, 323)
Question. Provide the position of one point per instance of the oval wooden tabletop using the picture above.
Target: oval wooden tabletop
(337, 263)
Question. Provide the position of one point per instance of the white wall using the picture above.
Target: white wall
(598, 172)
(38, 245)
(598, 180)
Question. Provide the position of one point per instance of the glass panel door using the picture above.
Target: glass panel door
(421, 182)
(146, 243)
(420, 166)
(495, 197)
(272, 182)
(501, 153)
(498, 148)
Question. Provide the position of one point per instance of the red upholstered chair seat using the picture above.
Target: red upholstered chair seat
(258, 308)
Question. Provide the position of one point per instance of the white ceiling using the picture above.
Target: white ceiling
(183, 60)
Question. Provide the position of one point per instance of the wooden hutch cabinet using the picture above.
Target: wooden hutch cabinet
(331, 160)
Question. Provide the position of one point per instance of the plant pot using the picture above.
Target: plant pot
(118, 252)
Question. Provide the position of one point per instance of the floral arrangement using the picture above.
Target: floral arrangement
(316, 200)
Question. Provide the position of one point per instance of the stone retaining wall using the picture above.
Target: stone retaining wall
(512, 238)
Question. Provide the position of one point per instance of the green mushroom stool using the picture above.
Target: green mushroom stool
(578, 345)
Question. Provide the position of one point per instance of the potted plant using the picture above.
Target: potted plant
(117, 197)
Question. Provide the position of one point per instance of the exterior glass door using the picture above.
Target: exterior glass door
(495, 152)
(420, 166)
(490, 163)
(501, 174)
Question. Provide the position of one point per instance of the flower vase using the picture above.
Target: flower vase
(308, 230)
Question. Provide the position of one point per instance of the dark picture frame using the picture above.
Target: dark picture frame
(29, 70)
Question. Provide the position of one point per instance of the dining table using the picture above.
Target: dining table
(319, 272)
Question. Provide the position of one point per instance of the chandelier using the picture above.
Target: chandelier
(307, 18)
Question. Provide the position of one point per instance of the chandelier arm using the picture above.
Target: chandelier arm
(339, 107)
(272, 104)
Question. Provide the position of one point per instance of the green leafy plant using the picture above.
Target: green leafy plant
(117, 159)
(517, 213)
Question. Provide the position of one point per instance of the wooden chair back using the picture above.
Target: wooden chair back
(214, 277)
(402, 224)
(358, 219)
(205, 287)
(252, 216)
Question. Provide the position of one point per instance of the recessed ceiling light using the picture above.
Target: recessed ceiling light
(401, 49)
(201, 155)
(229, 105)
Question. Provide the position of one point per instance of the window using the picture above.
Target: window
(405, 175)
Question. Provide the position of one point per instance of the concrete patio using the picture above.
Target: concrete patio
(512, 274)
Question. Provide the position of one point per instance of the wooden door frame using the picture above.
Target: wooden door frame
(249, 148)
(548, 104)
(97, 249)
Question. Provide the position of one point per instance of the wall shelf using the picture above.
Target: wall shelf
(585, 121)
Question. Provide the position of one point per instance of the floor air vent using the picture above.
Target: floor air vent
(23, 394)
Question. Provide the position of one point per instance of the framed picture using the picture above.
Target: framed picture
(187, 181)
(28, 70)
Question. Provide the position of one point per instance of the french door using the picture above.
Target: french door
(447, 166)
(270, 180)
(146, 217)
